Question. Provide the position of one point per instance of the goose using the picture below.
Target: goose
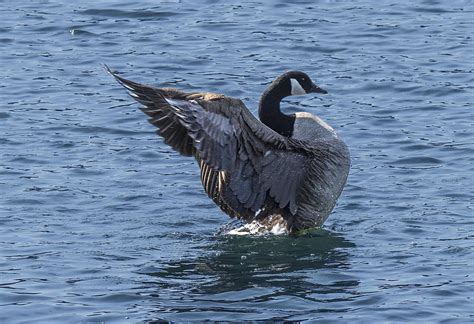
(280, 174)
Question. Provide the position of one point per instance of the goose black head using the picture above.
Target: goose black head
(299, 83)
(291, 83)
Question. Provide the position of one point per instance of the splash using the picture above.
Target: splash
(274, 225)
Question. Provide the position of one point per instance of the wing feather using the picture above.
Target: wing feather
(245, 166)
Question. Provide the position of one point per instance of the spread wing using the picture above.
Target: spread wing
(245, 166)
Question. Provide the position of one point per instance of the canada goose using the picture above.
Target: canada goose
(284, 171)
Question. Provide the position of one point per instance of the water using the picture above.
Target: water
(101, 222)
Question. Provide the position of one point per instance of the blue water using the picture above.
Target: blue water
(102, 222)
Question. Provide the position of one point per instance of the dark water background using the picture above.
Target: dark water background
(101, 222)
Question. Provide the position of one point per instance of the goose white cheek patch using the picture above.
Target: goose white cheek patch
(296, 88)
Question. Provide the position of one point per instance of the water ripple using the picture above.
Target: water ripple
(127, 14)
(101, 221)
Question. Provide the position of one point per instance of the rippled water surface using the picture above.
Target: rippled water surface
(102, 222)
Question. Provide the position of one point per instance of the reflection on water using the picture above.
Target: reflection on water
(258, 269)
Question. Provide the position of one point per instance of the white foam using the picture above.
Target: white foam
(257, 228)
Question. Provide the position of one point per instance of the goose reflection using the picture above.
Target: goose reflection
(307, 266)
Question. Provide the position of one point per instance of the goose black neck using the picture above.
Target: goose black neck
(269, 110)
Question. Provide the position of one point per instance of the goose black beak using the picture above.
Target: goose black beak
(316, 89)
